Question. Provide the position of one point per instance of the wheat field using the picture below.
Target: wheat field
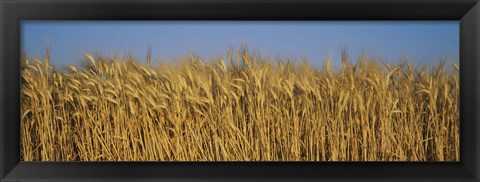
(244, 107)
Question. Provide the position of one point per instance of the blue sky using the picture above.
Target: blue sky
(422, 41)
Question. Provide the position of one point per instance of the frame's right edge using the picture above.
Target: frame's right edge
(3, 171)
(469, 80)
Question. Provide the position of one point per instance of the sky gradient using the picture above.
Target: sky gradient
(424, 42)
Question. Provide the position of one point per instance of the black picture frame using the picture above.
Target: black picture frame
(12, 12)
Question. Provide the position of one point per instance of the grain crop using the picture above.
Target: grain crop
(243, 107)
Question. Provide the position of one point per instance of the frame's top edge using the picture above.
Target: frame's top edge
(245, 1)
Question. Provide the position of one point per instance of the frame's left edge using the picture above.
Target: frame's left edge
(3, 170)
(2, 128)
(476, 170)
(9, 78)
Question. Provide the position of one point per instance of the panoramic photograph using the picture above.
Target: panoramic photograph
(171, 91)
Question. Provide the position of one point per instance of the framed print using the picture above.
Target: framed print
(239, 90)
